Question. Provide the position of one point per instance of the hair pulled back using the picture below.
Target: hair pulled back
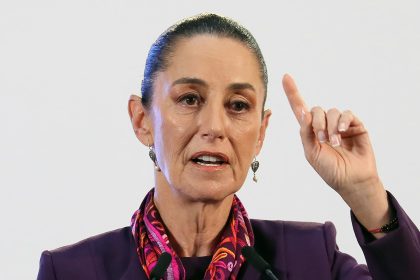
(212, 24)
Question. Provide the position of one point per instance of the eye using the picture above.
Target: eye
(190, 99)
(239, 106)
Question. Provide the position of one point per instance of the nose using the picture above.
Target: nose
(212, 122)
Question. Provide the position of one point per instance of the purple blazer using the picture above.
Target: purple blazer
(295, 250)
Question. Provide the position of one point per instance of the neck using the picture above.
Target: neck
(194, 228)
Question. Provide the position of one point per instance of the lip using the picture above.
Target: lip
(214, 154)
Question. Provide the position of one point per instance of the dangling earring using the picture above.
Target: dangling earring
(254, 166)
(152, 156)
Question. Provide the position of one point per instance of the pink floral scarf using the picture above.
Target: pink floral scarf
(151, 240)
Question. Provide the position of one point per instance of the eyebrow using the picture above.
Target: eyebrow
(189, 80)
(200, 82)
(241, 86)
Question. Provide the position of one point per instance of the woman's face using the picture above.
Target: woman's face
(206, 117)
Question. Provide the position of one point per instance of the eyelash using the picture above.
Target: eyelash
(187, 96)
(245, 106)
(198, 100)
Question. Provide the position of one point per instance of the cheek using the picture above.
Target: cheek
(244, 138)
(172, 136)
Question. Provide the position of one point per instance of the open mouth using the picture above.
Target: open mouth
(209, 160)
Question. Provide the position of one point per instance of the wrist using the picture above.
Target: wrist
(393, 224)
(370, 206)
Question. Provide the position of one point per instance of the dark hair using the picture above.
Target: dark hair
(157, 59)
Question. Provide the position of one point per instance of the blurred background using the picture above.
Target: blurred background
(71, 166)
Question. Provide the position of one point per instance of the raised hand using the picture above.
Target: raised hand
(337, 146)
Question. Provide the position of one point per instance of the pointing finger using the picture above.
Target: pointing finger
(295, 99)
(304, 117)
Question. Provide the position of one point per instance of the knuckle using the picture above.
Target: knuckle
(318, 124)
(316, 109)
(348, 112)
(318, 120)
(333, 111)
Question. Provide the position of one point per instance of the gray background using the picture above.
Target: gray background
(71, 167)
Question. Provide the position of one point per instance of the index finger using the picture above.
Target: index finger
(295, 99)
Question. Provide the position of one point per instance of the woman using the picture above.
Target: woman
(202, 116)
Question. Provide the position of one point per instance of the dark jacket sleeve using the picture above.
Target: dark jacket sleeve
(46, 267)
(343, 266)
(396, 255)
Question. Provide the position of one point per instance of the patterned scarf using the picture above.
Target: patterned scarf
(151, 240)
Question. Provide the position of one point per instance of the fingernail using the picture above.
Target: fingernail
(321, 136)
(342, 127)
(334, 140)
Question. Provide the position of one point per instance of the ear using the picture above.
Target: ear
(140, 120)
(264, 125)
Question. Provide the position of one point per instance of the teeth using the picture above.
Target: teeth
(210, 158)
(208, 164)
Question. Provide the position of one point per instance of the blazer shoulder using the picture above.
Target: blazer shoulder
(296, 236)
(120, 236)
(295, 227)
(91, 257)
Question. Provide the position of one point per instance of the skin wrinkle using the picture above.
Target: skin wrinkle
(163, 86)
(195, 204)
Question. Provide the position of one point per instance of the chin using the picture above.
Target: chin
(210, 192)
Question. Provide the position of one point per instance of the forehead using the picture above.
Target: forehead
(217, 60)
